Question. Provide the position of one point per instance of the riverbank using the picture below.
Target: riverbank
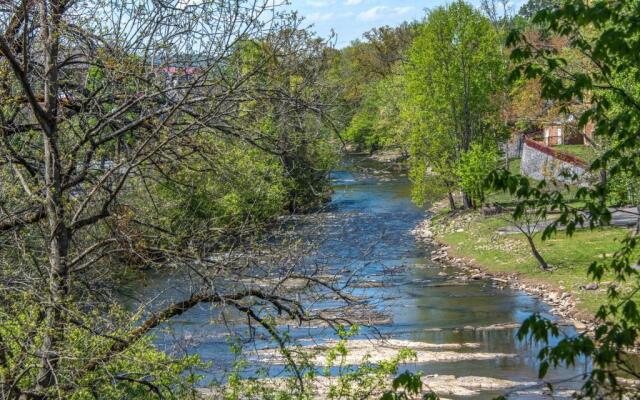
(477, 245)
(391, 156)
(460, 331)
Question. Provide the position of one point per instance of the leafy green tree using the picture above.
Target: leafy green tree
(432, 166)
(605, 33)
(394, 120)
(408, 386)
(380, 121)
(362, 128)
(285, 119)
(474, 167)
(367, 75)
(230, 186)
(531, 7)
(455, 70)
(624, 189)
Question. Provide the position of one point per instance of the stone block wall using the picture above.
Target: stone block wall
(542, 162)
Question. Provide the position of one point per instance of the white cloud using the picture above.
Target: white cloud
(317, 17)
(352, 2)
(379, 12)
(401, 10)
(372, 14)
(320, 3)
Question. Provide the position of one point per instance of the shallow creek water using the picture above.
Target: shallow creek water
(368, 226)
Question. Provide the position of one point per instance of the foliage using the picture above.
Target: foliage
(531, 7)
(474, 167)
(144, 141)
(370, 77)
(380, 121)
(297, 133)
(406, 386)
(361, 129)
(606, 34)
(337, 379)
(624, 189)
(352, 381)
(141, 372)
(432, 163)
(454, 76)
(232, 187)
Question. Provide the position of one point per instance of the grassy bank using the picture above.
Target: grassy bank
(477, 239)
(587, 153)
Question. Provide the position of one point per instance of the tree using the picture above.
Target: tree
(530, 218)
(291, 112)
(367, 75)
(473, 168)
(530, 8)
(103, 106)
(380, 120)
(385, 48)
(624, 189)
(454, 72)
(605, 34)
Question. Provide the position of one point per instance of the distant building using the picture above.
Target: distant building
(565, 131)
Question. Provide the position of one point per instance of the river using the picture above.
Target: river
(367, 226)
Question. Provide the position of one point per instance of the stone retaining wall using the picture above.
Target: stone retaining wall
(512, 149)
(542, 162)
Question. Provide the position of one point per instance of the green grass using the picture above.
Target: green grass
(504, 198)
(587, 153)
(514, 166)
(570, 256)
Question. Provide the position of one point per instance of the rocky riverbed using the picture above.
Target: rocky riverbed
(443, 385)
(461, 323)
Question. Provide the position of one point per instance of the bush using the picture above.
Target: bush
(474, 166)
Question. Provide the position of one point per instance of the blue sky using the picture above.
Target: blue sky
(351, 18)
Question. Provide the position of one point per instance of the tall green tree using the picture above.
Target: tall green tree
(379, 120)
(455, 71)
(367, 76)
(530, 8)
(606, 34)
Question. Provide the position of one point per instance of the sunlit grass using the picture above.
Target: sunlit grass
(570, 257)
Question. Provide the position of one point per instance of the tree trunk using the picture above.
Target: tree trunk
(603, 185)
(54, 203)
(506, 157)
(466, 201)
(638, 220)
(57, 251)
(452, 201)
(54, 317)
(541, 261)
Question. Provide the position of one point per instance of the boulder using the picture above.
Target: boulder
(590, 286)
